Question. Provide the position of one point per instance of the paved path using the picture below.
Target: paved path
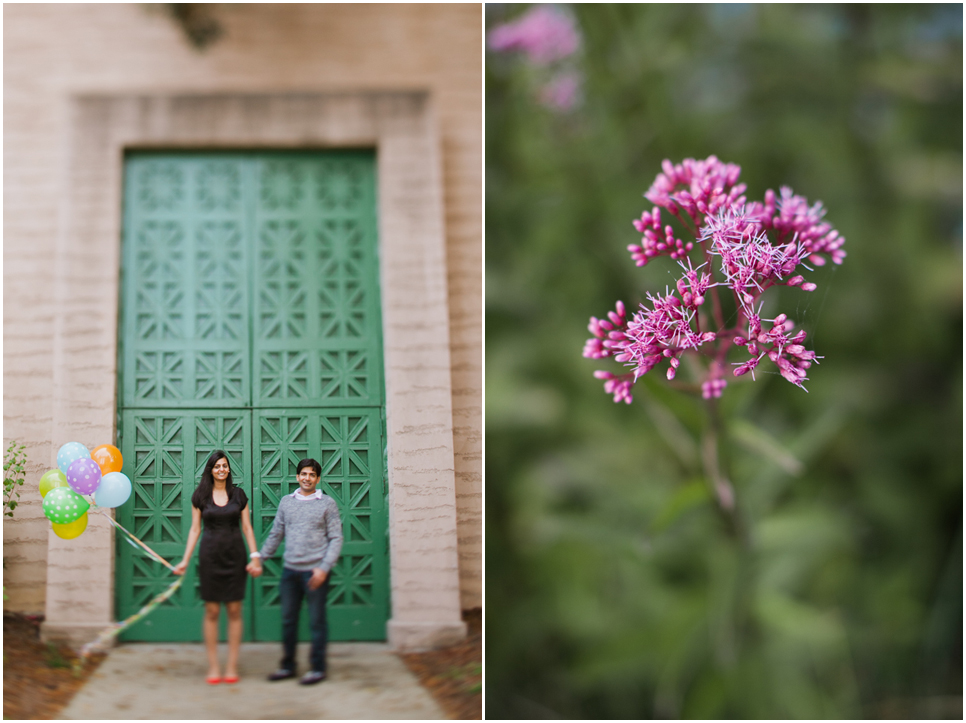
(144, 681)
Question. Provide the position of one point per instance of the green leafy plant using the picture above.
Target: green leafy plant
(54, 658)
(14, 465)
(464, 674)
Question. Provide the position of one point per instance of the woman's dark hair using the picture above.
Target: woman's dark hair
(310, 463)
(202, 494)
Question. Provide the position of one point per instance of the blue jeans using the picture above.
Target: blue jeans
(293, 587)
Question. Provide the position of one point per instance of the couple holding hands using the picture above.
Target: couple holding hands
(307, 520)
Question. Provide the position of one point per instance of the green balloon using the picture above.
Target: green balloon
(52, 480)
(62, 505)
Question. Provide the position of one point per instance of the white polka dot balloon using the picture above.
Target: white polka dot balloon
(62, 505)
(70, 453)
(84, 476)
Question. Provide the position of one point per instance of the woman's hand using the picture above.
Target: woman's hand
(180, 567)
(254, 567)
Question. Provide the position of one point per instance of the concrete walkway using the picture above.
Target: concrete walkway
(144, 681)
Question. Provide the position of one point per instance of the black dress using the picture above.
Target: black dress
(221, 555)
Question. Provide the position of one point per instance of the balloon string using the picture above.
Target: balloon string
(150, 552)
(116, 628)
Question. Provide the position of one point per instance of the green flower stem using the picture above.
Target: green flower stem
(740, 618)
(717, 476)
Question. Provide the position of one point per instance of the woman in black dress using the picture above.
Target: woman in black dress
(220, 505)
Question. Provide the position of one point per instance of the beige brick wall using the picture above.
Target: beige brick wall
(54, 52)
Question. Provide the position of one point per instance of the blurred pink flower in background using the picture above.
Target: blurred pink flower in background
(544, 33)
(549, 38)
(562, 92)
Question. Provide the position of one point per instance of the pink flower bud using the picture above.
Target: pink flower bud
(746, 367)
(809, 286)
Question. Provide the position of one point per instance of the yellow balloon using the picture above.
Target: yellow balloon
(51, 480)
(72, 529)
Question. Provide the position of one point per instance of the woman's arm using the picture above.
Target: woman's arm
(275, 537)
(254, 567)
(193, 535)
(247, 531)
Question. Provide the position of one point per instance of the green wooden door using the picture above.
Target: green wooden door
(250, 322)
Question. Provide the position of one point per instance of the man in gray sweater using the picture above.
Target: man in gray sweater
(309, 523)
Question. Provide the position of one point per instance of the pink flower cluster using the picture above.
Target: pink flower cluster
(544, 34)
(787, 352)
(758, 245)
(548, 37)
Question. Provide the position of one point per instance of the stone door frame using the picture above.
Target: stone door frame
(401, 126)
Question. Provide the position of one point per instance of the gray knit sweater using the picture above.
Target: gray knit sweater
(312, 532)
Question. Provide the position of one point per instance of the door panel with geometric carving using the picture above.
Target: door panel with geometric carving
(349, 449)
(164, 452)
(250, 321)
(316, 337)
(185, 327)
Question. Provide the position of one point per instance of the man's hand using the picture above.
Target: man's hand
(318, 577)
(254, 567)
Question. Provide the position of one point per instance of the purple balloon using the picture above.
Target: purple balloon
(84, 476)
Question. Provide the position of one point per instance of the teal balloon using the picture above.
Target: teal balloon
(70, 453)
(113, 491)
(62, 505)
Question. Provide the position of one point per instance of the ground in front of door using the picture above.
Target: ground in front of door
(365, 682)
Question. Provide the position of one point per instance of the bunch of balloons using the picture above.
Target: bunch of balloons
(78, 473)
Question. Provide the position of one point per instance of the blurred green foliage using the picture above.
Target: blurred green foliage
(613, 588)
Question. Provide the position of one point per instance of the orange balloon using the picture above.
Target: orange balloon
(108, 458)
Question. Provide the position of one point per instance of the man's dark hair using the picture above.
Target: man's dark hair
(309, 462)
